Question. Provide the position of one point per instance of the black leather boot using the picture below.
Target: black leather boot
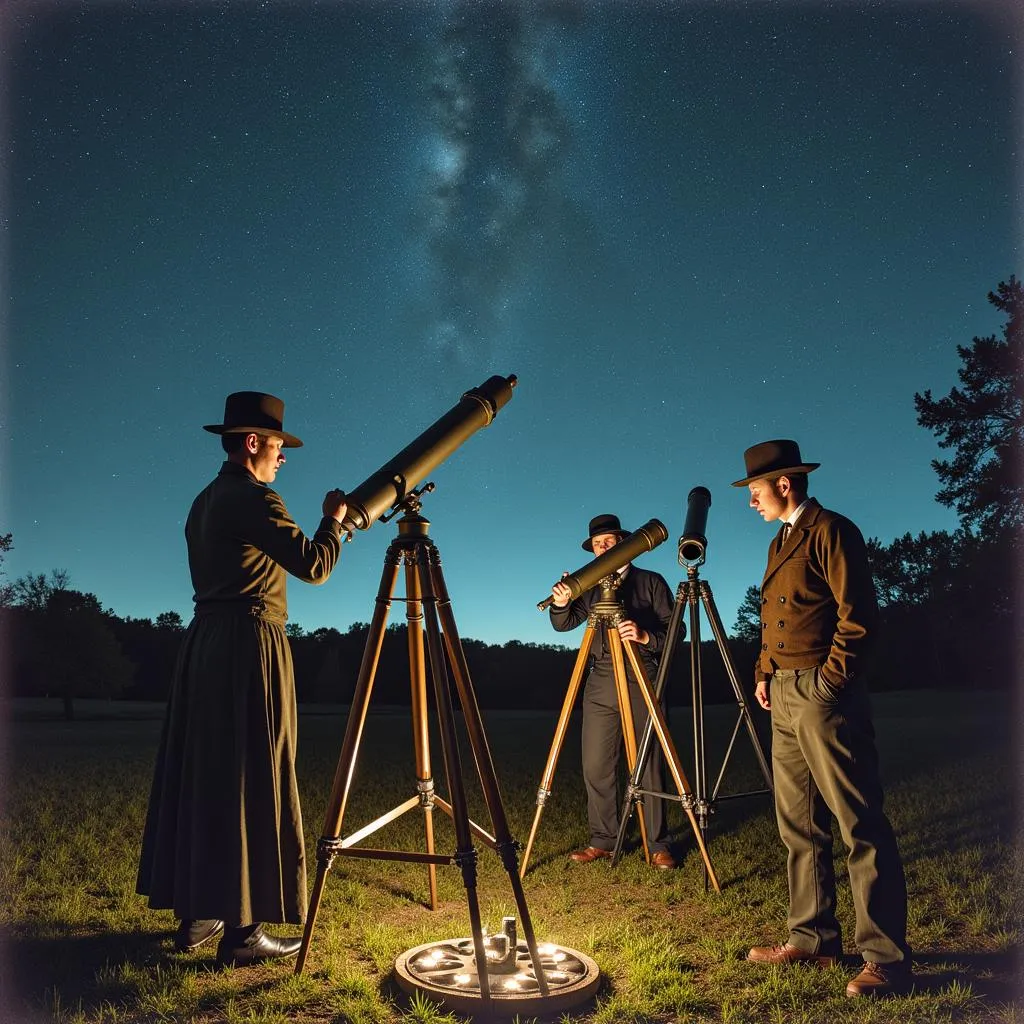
(192, 934)
(250, 944)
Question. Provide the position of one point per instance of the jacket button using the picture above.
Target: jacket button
(782, 599)
(780, 645)
(764, 600)
(764, 625)
(780, 624)
(764, 647)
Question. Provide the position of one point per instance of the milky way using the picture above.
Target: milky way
(497, 139)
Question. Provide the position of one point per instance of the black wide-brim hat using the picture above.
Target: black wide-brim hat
(253, 412)
(773, 459)
(603, 524)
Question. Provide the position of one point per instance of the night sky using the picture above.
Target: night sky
(685, 227)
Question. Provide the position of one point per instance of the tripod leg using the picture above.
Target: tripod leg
(421, 731)
(465, 854)
(544, 791)
(626, 714)
(700, 802)
(737, 689)
(671, 756)
(644, 749)
(350, 746)
(505, 844)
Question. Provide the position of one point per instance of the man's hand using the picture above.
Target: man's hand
(629, 630)
(761, 694)
(335, 504)
(561, 595)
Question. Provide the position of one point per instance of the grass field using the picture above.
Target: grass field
(80, 946)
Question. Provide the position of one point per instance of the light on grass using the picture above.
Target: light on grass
(450, 972)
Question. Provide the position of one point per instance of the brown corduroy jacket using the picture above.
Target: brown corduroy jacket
(818, 606)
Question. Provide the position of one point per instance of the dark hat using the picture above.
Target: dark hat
(252, 412)
(773, 458)
(603, 524)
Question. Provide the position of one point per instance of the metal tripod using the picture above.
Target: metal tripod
(428, 607)
(606, 614)
(691, 592)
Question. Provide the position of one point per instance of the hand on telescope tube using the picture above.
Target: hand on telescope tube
(561, 595)
(629, 630)
(335, 504)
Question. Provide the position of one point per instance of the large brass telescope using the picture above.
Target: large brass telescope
(396, 479)
(647, 538)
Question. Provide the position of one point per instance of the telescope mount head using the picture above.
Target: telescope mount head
(410, 504)
(607, 610)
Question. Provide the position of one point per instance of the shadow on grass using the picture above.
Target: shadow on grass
(43, 975)
(993, 976)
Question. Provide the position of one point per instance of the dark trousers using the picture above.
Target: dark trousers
(602, 746)
(825, 763)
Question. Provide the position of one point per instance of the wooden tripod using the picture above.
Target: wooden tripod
(606, 614)
(428, 608)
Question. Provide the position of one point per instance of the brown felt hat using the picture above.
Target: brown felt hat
(773, 459)
(603, 524)
(253, 412)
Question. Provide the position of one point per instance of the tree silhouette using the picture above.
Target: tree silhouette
(6, 590)
(983, 421)
(67, 646)
(914, 571)
(747, 626)
(170, 620)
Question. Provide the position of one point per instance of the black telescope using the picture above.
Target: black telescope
(694, 543)
(647, 538)
(397, 478)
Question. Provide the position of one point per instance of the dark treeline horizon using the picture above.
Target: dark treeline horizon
(946, 614)
(949, 601)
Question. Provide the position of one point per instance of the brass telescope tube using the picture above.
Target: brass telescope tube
(393, 482)
(647, 538)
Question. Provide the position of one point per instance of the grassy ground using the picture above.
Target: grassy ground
(82, 947)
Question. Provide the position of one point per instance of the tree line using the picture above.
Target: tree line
(948, 598)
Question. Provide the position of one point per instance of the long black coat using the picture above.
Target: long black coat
(223, 836)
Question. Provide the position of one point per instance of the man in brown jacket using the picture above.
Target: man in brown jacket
(223, 844)
(818, 614)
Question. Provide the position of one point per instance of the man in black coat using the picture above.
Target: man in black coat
(647, 605)
(223, 844)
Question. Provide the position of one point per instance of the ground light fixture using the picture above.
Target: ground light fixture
(446, 972)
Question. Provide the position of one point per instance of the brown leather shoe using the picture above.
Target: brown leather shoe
(588, 854)
(893, 979)
(663, 860)
(787, 954)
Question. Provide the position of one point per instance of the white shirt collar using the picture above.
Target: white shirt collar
(796, 515)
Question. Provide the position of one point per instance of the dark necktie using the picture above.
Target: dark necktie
(783, 536)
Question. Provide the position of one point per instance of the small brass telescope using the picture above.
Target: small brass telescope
(396, 479)
(647, 538)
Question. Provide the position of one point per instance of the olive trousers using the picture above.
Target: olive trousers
(825, 764)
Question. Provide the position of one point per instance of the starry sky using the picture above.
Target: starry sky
(685, 227)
